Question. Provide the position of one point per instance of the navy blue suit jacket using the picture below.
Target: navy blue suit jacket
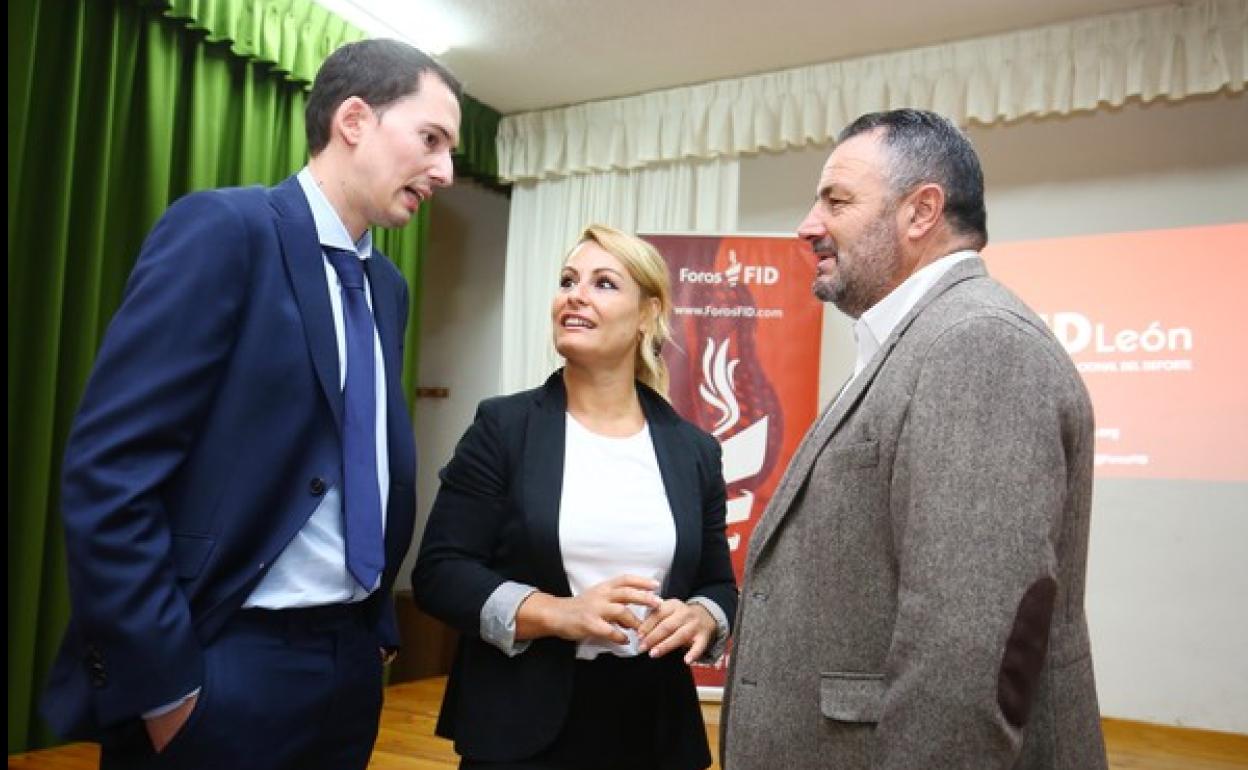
(496, 518)
(209, 432)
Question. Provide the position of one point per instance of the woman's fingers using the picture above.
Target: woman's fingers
(701, 641)
(613, 600)
(671, 628)
(676, 625)
(629, 589)
(660, 614)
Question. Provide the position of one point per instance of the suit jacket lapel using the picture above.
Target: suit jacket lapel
(832, 417)
(812, 446)
(385, 313)
(795, 476)
(543, 453)
(301, 251)
(678, 467)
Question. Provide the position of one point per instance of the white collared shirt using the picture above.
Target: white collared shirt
(879, 321)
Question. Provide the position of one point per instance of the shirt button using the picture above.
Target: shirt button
(317, 486)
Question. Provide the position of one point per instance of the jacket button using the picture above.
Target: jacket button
(317, 486)
(98, 676)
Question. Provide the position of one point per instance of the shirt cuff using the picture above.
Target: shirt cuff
(498, 617)
(716, 649)
(160, 711)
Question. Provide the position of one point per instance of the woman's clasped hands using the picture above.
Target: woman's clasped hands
(605, 610)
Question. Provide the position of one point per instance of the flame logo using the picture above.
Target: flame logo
(732, 273)
(716, 386)
(745, 451)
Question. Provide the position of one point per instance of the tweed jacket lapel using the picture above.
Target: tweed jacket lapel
(834, 415)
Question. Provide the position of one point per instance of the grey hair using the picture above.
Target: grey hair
(926, 147)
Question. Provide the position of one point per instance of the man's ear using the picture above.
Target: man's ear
(923, 210)
(350, 119)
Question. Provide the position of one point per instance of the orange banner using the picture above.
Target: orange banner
(1155, 321)
(744, 363)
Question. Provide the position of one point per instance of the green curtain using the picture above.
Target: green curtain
(295, 36)
(116, 108)
(477, 156)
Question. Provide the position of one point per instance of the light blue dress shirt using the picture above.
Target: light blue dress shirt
(312, 570)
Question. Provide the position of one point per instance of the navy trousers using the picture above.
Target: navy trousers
(282, 689)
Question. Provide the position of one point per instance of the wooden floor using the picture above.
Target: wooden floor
(406, 741)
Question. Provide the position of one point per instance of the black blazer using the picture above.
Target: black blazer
(496, 518)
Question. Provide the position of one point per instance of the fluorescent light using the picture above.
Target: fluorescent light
(416, 23)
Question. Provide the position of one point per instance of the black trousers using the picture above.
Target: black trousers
(626, 714)
(282, 689)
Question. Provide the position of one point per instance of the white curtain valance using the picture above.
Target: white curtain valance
(1171, 51)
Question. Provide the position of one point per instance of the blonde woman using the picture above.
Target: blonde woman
(577, 543)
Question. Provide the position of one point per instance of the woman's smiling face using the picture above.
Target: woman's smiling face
(597, 312)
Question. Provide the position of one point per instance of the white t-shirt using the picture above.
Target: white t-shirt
(614, 518)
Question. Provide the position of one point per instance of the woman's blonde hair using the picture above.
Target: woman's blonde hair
(648, 268)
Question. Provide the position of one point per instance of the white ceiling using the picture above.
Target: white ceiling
(519, 55)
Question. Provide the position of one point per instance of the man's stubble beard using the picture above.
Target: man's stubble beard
(864, 271)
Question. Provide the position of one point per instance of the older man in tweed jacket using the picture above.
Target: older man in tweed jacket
(913, 595)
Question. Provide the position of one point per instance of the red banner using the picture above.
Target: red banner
(744, 364)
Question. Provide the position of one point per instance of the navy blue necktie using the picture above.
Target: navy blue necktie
(361, 498)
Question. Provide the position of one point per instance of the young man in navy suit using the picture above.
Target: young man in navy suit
(239, 481)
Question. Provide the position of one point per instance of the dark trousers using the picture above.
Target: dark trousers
(626, 714)
(282, 689)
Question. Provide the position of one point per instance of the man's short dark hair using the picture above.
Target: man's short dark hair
(926, 147)
(378, 71)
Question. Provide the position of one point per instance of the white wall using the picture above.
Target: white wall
(1168, 577)
(461, 327)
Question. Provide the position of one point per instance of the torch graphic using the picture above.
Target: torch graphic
(746, 450)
